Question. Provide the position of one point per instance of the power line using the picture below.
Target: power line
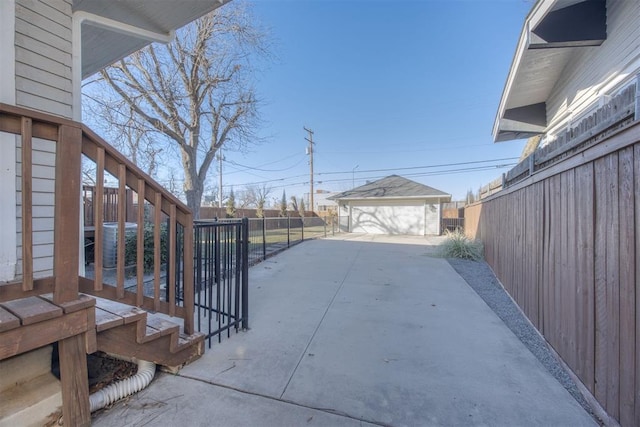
(424, 167)
(415, 175)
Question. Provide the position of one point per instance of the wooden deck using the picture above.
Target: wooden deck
(37, 311)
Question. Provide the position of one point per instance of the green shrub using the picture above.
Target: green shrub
(131, 244)
(458, 245)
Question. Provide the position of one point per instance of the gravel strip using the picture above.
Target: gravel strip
(480, 277)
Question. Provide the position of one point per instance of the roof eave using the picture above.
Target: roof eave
(546, 28)
(122, 37)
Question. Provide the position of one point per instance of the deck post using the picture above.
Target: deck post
(73, 358)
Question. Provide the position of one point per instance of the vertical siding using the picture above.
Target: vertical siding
(43, 56)
(566, 249)
(43, 174)
(591, 67)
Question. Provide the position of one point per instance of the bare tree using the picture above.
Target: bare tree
(231, 205)
(301, 207)
(283, 205)
(294, 204)
(196, 92)
(257, 196)
(245, 199)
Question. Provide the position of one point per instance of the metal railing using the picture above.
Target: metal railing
(451, 224)
(221, 276)
(268, 236)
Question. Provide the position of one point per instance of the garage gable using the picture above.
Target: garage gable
(392, 205)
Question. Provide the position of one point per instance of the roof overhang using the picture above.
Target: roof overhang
(552, 31)
(111, 30)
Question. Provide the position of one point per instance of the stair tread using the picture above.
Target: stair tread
(32, 310)
(107, 320)
(128, 313)
(83, 301)
(158, 327)
(185, 341)
(7, 320)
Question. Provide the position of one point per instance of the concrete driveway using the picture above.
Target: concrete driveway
(359, 330)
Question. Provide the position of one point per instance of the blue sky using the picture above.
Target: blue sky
(388, 87)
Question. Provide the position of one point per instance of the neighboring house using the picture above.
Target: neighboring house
(47, 48)
(324, 206)
(562, 233)
(573, 57)
(392, 205)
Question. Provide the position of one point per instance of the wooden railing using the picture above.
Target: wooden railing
(70, 321)
(73, 140)
(177, 299)
(67, 136)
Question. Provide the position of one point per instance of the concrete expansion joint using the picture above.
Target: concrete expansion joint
(286, 401)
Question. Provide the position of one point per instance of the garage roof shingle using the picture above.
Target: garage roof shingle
(392, 186)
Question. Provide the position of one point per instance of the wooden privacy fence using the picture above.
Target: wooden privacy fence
(109, 204)
(565, 243)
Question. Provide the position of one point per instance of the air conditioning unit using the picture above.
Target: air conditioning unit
(110, 241)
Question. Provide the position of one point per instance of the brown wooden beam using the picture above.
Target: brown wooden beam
(27, 205)
(67, 214)
(75, 381)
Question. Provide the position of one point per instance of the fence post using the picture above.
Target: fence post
(637, 115)
(288, 231)
(302, 228)
(245, 273)
(264, 238)
(324, 224)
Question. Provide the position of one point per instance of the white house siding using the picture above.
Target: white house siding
(43, 82)
(43, 56)
(43, 174)
(593, 71)
(7, 141)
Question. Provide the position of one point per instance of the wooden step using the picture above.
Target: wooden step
(32, 322)
(132, 332)
(113, 314)
(158, 327)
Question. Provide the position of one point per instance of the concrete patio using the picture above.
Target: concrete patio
(359, 330)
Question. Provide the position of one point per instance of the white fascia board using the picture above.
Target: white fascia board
(538, 12)
(122, 28)
(82, 17)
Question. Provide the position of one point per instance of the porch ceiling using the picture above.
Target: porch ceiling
(552, 32)
(102, 46)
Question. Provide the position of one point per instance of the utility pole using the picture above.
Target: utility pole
(310, 153)
(220, 158)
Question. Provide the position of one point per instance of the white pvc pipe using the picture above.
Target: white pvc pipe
(123, 388)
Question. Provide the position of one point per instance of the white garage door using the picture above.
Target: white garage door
(389, 219)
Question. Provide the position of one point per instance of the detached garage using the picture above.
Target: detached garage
(391, 205)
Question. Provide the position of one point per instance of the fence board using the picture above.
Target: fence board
(601, 362)
(571, 325)
(626, 296)
(636, 179)
(585, 316)
(613, 286)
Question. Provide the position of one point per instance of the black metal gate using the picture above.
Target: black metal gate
(221, 276)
